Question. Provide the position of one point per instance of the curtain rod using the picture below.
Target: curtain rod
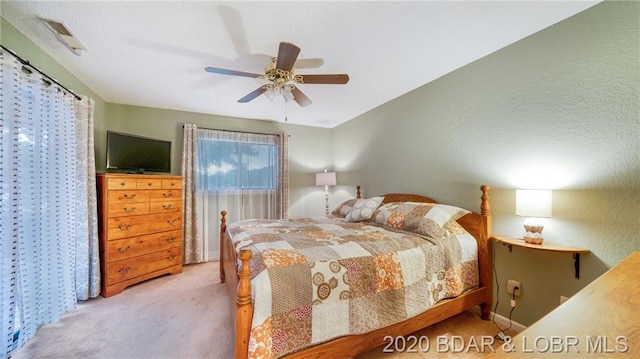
(255, 133)
(26, 63)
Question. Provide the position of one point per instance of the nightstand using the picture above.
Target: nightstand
(510, 242)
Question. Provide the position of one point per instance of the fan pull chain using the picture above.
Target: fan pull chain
(286, 110)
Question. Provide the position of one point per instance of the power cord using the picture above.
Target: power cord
(513, 306)
(501, 335)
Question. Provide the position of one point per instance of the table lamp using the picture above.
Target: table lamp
(326, 179)
(533, 204)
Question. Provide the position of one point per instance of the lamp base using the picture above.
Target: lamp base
(326, 200)
(534, 234)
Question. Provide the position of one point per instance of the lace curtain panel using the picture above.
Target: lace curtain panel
(49, 256)
(245, 174)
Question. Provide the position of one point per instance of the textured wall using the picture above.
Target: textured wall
(560, 110)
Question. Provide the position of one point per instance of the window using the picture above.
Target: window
(244, 174)
(233, 165)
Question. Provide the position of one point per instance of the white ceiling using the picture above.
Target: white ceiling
(154, 53)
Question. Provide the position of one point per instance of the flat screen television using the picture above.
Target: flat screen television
(137, 154)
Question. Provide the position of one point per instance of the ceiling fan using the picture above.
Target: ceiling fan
(282, 77)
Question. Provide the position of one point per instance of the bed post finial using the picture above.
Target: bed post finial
(484, 207)
(223, 221)
(358, 194)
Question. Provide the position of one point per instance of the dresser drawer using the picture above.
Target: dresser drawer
(166, 206)
(149, 183)
(123, 227)
(130, 196)
(137, 266)
(172, 184)
(120, 249)
(127, 209)
(121, 183)
(166, 194)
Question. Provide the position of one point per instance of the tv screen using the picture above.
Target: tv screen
(131, 153)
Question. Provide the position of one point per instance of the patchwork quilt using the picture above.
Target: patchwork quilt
(316, 279)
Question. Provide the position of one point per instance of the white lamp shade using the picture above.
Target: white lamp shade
(326, 179)
(533, 203)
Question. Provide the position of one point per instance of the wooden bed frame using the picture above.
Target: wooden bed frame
(239, 289)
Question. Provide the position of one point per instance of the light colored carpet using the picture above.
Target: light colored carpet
(182, 316)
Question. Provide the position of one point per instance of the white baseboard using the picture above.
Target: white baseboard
(503, 322)
(214, 256)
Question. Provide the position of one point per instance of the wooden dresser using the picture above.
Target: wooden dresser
(140, 227)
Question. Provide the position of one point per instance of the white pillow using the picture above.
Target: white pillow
(344, 209)
(363, 209)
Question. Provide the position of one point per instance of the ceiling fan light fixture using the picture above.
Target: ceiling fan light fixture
(271, 93)
(286, 92)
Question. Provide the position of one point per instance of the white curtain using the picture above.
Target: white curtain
(48, 220)
(240, 203)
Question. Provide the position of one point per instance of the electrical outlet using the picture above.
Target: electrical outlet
(512, 284)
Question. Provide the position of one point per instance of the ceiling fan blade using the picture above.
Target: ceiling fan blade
(287, 55)
(308, 63)
(323, 79)
(216, 70)
(257, 92)
(233, 23)
(299, 97)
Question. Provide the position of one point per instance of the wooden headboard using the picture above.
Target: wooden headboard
(405, 197)
(400, 197)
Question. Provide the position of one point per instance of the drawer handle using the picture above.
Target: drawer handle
(167, 206)
(169, 258)
(172, 221)
(124, 270)
(149, 184)
(129, 209)
(167, 195)
(171, 239)
(122, 183)
(124, 227)
(129, 196)
(124, 249)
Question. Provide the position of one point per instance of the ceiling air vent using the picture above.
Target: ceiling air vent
(64, 35)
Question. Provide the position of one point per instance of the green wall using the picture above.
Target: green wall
(559, 109)
(310, 148)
